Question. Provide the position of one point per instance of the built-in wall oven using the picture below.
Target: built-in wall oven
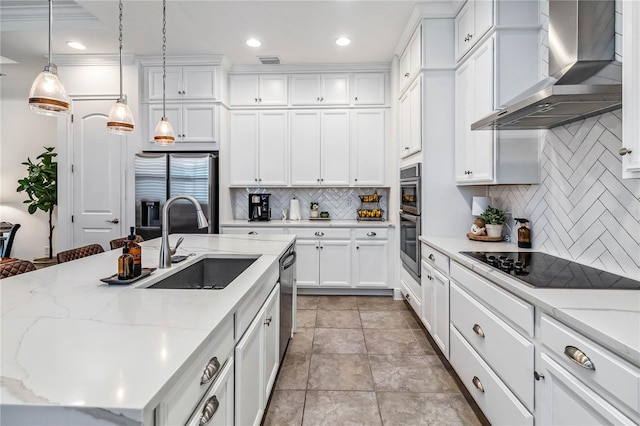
(410, 177)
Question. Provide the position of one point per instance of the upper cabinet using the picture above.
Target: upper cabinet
(320, 89)
(411, 60)
(472, 22)
(411, 120)
(258, 90)
(630, 150)
(182, 83)
(369, 89)
(367, 146)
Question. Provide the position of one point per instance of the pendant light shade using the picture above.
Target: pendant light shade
(47, 95)
(120, 120)
(163, 134)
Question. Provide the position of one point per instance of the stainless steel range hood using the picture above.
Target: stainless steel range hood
(585, 80)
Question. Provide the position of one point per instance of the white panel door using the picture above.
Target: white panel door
(243, 147)
(427, 287)
(464, 150)
(369, 89)
(334, 157)
(372, 259)
(199, 123)
(243, 90)
(335, 263)
(249, 383)
(335, 89)
(272, 90)
(198, 82)
(271, 328)
(368, 145)
(272, 149)
(405, 124)
(98, 175)
(173, 84)
(440, 330)
(307, 263)
(305, 148)
(415, 98)
(305, 89)
(482, 170)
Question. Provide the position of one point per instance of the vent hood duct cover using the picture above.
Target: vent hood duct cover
(585, 79)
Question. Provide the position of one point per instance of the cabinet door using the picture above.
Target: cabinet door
(271, 328)
(173, 83)
(567, 401)
(482, 19)
(272, 149)
(307, 262)
(464, 29)
(427, 285)
(631, 90)
(440, 330)
(199, 82)
(249, 391)
(243, 148)
(415, 98)
(272, 90)
(415, 52)
(335, 149)
(464, 150)
(243, 90)
(305, 148)
(371, 260)
(174, 114)
(405, 124)
(405, 68)
(334, 89)
(482, 169)
(369, 89)
(335, 263)
(368, 145)
(221, 393)
(305, 89)
(199, 123)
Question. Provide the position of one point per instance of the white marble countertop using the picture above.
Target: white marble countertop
(310, 223)
(70, 340)
(609, 317)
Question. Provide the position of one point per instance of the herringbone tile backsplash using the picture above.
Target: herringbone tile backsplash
(341, 203)
(582, 209)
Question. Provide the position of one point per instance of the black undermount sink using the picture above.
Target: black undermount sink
(210, 273)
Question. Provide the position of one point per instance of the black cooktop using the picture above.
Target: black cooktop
(547, 271)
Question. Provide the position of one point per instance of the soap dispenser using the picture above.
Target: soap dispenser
(524, 233)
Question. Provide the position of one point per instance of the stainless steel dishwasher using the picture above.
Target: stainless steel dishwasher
(287, 297)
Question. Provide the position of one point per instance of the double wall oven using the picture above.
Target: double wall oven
(410, 219)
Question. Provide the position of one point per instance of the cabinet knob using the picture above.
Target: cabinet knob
(256, 179)
(406, 148)
(259, 99)
(209, 410)
(357, 247)
(319, 234)
(267, 321)
(321, 180)
(255, 100)
(321, 99)
(477, 383)
(406, 75)
(478, 330)
(356, 99)
(318, 180)
(538, 376)
(579, 357)
(252, 233)
(624, 151)
(318, 99)
(432, 257)
(406, 296)
(210, 371)
(355, 180)
(371, 234)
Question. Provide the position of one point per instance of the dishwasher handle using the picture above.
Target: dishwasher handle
(286, 265)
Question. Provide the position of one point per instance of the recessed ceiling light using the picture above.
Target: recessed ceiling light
(253, 42)
(343, 41)
(76, 45)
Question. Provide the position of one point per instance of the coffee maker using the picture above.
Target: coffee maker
(259, 207)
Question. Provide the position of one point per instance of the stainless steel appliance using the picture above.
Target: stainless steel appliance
(159, 176)
(546, 271)
(287, 297)
(410, 187)
(259, 207)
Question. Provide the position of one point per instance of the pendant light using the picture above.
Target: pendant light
(164, 131)
(47, 95)
(120, 119)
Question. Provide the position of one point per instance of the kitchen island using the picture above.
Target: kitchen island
(78, 351)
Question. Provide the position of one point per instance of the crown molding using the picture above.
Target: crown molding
(310, 68)
(437, 9)
(184, 60)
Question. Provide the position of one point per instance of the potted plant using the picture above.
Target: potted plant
(40, 184)
(494, 221)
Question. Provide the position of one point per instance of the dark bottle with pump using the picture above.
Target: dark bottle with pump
(125, 265)
(524, 233)
(135, 250)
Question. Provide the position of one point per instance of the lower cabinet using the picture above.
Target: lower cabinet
(324, 257)
(435, 296)
(371, 258)
(257, 362)
(216, 409)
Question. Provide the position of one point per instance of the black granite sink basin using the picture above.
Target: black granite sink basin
(212, 273)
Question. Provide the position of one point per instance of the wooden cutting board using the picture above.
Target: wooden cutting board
(483, 237)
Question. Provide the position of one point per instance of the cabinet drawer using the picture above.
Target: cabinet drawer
(253, 230)
(411, 291)
(188, 392)
(611, 374)
(371, 233)
(505, 350)
(510, 308)
(220, 397)
(495, 400)
(435, 258)
(253, 302)
(323, 233)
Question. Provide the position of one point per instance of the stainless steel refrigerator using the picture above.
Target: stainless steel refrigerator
(159, 176)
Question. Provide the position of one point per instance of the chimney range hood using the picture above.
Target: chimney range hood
(585, 80)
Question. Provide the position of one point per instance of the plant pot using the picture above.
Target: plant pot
(43, 262)
(494, 230)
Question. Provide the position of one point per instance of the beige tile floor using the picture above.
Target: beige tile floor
(363, 360)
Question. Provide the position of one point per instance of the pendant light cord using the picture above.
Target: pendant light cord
(120, 40)
(164, 56)
(50, 31)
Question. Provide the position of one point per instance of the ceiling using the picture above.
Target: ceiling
(298, 31)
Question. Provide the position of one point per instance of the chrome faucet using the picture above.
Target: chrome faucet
(165, 249)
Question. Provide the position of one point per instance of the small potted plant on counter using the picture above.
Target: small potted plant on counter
(40, 184)
(494, 221)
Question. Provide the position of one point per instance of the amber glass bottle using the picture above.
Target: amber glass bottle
(135, 250)
(125, 265)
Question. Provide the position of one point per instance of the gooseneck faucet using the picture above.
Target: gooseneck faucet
(165, 249)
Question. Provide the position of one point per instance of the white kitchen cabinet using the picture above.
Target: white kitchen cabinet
(472, 22)
(371, 257)
(369, 89)
(324, 257)
(258, 148)
(183, 83)
(435, 296)
(631, 90)
(192, 123)
(411, 119)
(319, 89)
(258, 90)
(216, 408)
(411, 60)
(320, 148)
(257, 362)
(368, 147)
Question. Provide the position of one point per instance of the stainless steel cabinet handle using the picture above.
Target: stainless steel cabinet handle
(624, 151)
(579, 357)
(319, 234)
(209, 410)
(478, 384)
(253, 233)
(210, 371)
(432, 257)
(371, 234)
(478, 330)
(116, 220)
(267, 322)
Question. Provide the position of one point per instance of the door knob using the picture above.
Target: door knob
(116, 220)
